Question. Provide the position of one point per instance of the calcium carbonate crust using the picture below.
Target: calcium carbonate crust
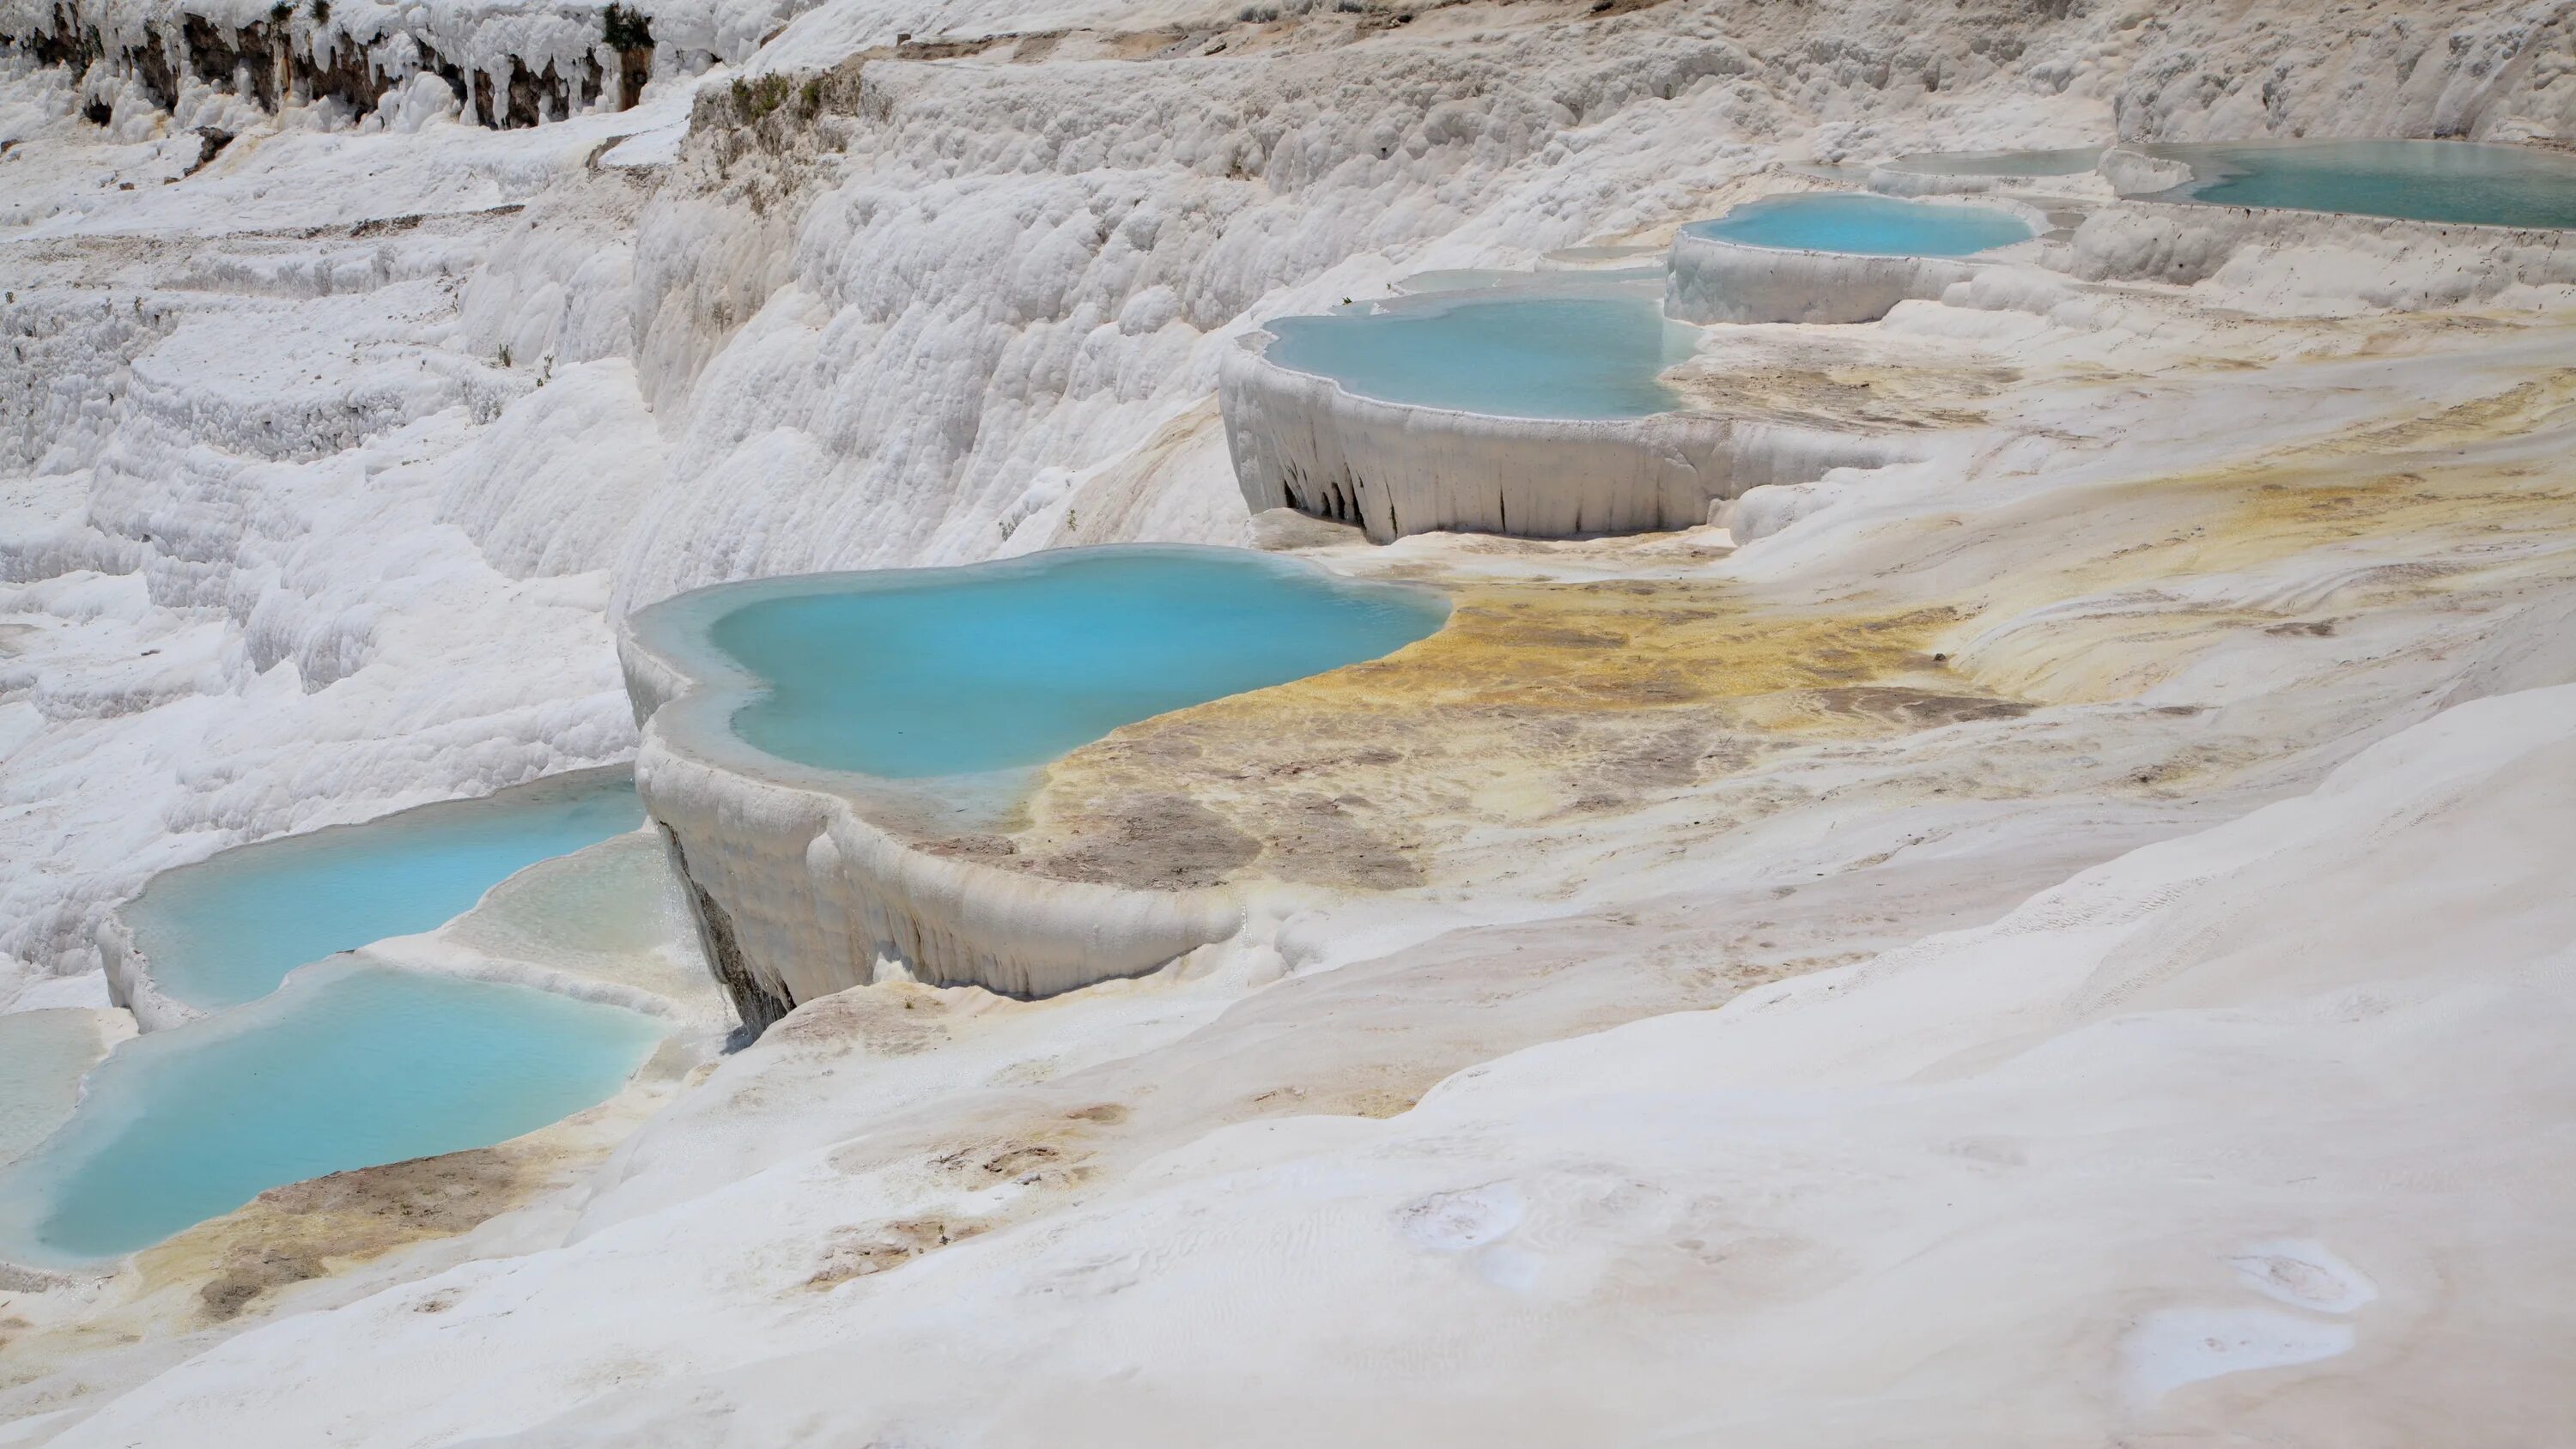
(132, 985)
(797, 895)
(2375, 261)
(1300, 441)
(1708, 280)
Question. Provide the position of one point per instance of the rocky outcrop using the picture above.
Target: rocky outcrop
(551, 63)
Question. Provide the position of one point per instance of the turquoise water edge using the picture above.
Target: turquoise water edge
(941, 672)
(348, 1065)
(227, 929)
(1553, 356)
(2443, 181)
(1863, 225)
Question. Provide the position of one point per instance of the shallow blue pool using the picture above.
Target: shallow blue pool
(2455, 181)
(1878, 226)
(227, 929)
(350, 1065)
(1546, 356)
(934, 672)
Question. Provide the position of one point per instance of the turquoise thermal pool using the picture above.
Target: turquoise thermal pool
(1878, 226)
(919, 673)
(2453, 181)
(348, 1065)
(1546, 356)
(227, 929)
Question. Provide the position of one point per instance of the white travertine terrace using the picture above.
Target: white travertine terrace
(798, 895)
(1301, 441)
(2129, 171)
(2084, 186)
(2333, 257)
(130, 984)
(1711, 280)
(1753, 1107)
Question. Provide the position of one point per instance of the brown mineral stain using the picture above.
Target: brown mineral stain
(312, 1229)
(1537, 700)
(858, 1252)
(895, 1019)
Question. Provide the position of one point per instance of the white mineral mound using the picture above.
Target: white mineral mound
(2182, 1057)
(2097, 1164)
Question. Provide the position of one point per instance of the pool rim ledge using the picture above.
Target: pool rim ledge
(1303, 441)
(1712, 281)
(133, 988)
(797, 895)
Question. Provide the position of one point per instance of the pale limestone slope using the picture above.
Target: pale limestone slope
(2063, 1176)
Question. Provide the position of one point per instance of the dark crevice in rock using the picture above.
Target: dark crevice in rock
(211, 142)
(271, 63)
(753, 1001)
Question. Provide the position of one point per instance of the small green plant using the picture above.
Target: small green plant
(321, 12)
(626, 29)
(754, 100)
(505, 354)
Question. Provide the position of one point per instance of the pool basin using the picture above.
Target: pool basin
(789, 791)
(1538, 408)
(1525, 353)
(1831, 258)
(1859, 224)
(912, 674)
(347, 1065)
(2436, 181)
(227, 929)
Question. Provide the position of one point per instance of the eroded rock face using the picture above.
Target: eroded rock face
(549, 65)
(756, 1004)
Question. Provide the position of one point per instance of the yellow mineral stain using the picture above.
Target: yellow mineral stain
(2463, 500)
(1538, 702)
(1555, 696)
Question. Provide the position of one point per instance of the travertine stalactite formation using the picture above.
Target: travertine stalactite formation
(1300, 441)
